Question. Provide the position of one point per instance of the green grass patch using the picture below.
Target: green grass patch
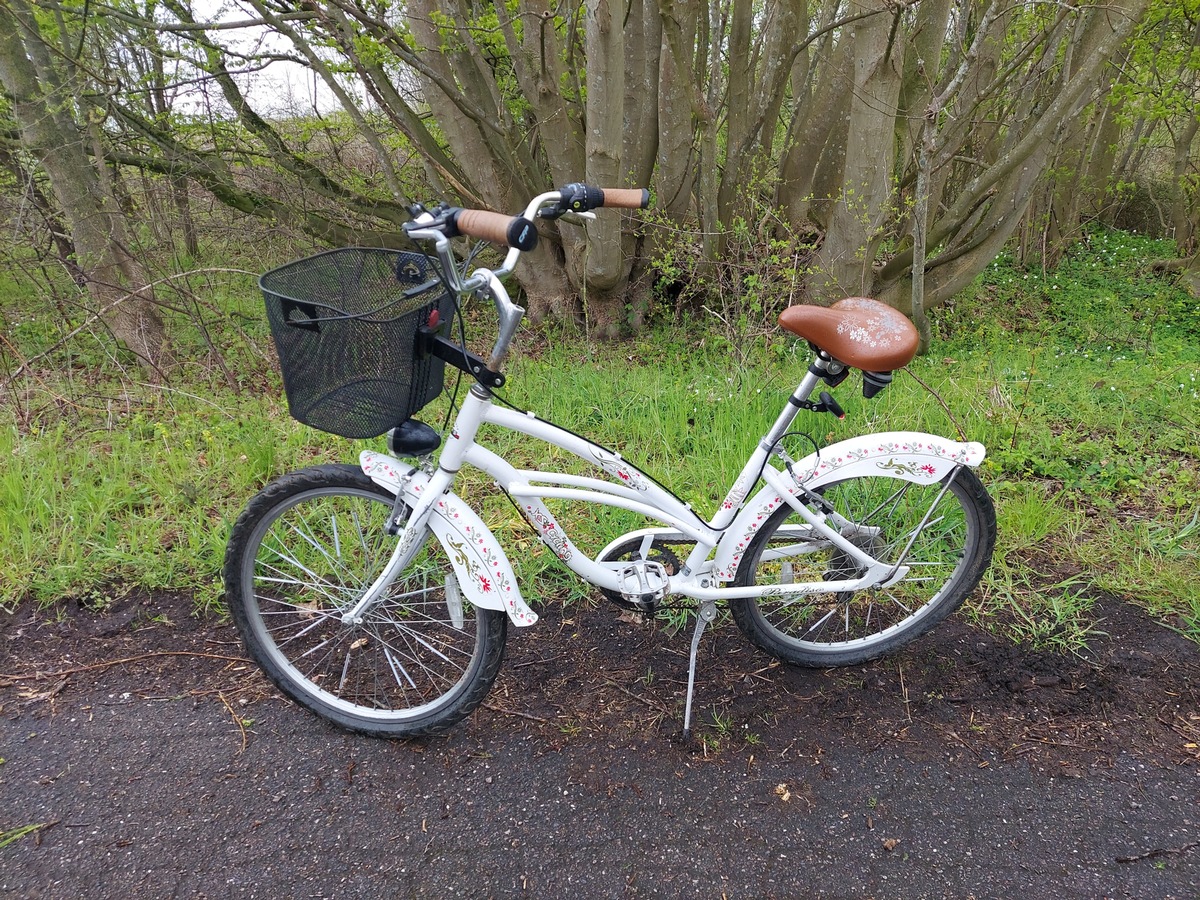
(1089, 381)
(12, 835)
(1084, 384)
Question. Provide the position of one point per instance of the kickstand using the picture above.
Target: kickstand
(705, 614)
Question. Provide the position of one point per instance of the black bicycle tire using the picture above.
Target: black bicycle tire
(747, 614)
(245, 541)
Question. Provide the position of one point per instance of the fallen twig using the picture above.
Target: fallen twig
(1069, 746)
(632, 696)
(513, 712)
(29, 696)
(954, 734)
(237, 720)
(1160, 851)
(534, 662)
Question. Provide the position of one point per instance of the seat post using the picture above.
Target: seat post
(823, 368)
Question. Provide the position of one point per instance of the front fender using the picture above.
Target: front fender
(484, 573)
(908, 455)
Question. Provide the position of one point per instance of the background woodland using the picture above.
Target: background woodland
(798, 150)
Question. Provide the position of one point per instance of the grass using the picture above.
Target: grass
(12, 835)
(1084, 384)
(1093, 389)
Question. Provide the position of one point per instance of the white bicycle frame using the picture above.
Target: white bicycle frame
(482, 570)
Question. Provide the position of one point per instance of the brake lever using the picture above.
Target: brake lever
(426, 218)
(574, 218)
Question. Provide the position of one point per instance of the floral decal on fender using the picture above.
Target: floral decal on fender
(895, 445)
(916, 471)
(376, 464)
(484, 572)
(909, 455)
(476, 556)
(761, 516)
(478, 573)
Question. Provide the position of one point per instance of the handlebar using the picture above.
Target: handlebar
(508, 231)
(579, 198)
(518, 233)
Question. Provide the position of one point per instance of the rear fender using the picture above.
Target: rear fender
(484, 573)
(908, 455)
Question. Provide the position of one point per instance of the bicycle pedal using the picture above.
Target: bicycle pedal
(643, 583)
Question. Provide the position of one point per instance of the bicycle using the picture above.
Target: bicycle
(377, 598)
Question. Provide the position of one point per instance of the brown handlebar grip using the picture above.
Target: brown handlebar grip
(626, 198)
(487, 226)
(508, 231)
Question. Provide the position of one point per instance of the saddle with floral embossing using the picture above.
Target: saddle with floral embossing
(858, 332)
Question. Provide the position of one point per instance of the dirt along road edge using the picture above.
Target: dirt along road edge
(144, 757)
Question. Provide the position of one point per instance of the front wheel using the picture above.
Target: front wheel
(305, 550)
(948, 529)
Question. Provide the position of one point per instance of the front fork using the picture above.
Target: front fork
(415, 530)
(411, 540)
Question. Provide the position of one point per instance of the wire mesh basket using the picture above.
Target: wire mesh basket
(346, 323)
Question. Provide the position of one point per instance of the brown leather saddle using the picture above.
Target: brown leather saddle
(858, 332)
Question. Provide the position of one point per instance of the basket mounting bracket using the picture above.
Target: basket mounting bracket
(429, 342)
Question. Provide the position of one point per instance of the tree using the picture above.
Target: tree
(36, 69)
(519, 111)
(1160, 97)
(855, 130)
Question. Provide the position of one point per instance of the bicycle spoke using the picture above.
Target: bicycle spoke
(303, 631)
(397, 670)
(345, 671)
(317, 583)
(925, 528)
(335, 560)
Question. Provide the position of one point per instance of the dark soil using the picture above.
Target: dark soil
(156, 761)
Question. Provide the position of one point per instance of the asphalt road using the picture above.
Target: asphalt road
(147, 791)
(142, 756)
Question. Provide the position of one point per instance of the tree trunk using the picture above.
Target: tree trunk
(59, 234)
(492, 99)
(1185, 210)
(987, 209)
(814, 160)
(604, 266)
(678, 114)
(844, 263)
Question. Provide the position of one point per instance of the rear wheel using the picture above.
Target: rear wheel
(304, 551)
(952, 529)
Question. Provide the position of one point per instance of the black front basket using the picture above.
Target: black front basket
(346, 325)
